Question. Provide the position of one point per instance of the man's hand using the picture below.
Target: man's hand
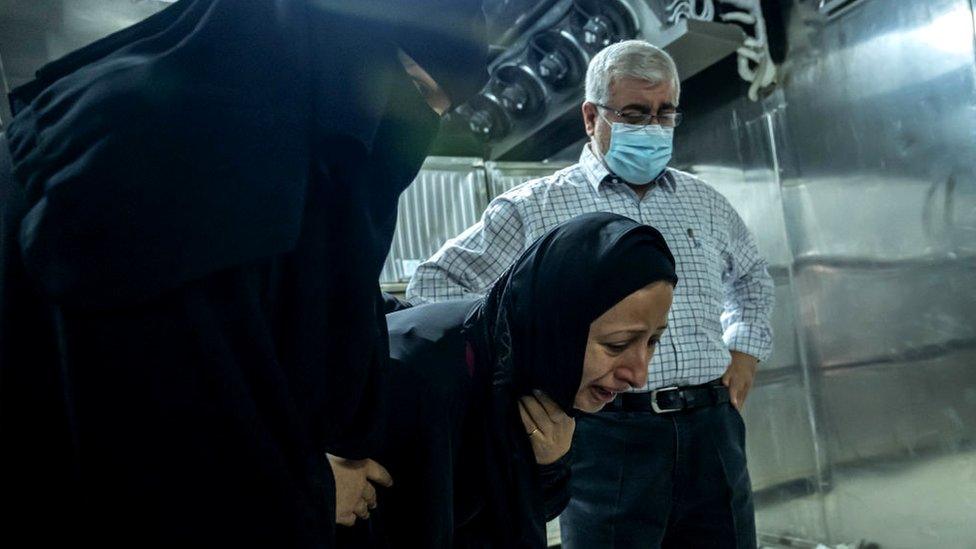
(739, 377)
(550, 430)
(355, 495)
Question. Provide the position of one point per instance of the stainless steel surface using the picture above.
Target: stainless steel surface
(447, 197)
(865, 313)
(909, 408)
(917, 502)
(871, 153)
(879, 190)
(786, 354)
(779, 437)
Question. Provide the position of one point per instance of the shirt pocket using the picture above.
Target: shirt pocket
(700, 263)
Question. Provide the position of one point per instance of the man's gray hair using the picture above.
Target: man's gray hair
(634, 59)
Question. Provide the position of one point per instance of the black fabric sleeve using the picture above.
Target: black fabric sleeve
(392, 304)
(555, 485)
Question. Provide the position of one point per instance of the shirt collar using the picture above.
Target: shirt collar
(597, 173)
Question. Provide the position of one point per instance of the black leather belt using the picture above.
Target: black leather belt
(667, 400)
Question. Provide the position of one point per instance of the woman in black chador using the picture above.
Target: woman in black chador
(482, 392)
(194, 213)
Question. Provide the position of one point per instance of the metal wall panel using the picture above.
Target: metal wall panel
(879, 189)
(779, 440)
(871, 144)
(856, 314)
(887, 411)
(447, 197)
(785, 351)
(900, 437)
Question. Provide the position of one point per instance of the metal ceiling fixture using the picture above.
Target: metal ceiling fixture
(536, 83)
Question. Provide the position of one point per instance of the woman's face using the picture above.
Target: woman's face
(620, 345)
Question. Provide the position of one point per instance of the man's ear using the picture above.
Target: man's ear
(589, 118)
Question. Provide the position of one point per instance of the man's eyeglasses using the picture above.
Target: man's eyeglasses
(638, 118)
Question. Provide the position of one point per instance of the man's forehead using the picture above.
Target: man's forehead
(637, 90)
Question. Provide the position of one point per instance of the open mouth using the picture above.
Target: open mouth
(601, 394)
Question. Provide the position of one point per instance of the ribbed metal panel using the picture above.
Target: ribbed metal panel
(447, 197)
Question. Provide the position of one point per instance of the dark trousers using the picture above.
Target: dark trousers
(643, 480)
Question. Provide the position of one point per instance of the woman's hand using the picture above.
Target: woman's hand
(355, 495)
(550, 430)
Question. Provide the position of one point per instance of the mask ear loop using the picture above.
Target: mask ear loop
(600, 114)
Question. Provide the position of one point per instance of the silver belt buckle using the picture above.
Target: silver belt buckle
(658, 409)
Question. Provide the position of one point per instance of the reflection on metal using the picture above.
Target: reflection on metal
(872, 153)
(890, 410)
(779, 439)
(785, 351)
(858, 320)
(447, 197)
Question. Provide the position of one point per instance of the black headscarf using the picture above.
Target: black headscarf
(532, 328)
(183, 144)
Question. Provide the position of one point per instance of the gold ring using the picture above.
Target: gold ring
(534, 431)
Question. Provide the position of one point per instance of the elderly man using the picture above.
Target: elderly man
(664, 464)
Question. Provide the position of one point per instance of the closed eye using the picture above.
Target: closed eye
(617, 347)
(635, 118)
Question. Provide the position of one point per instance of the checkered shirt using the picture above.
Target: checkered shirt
(724, 295)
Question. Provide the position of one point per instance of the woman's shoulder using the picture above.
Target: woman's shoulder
(427, 338)
(428, 324)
